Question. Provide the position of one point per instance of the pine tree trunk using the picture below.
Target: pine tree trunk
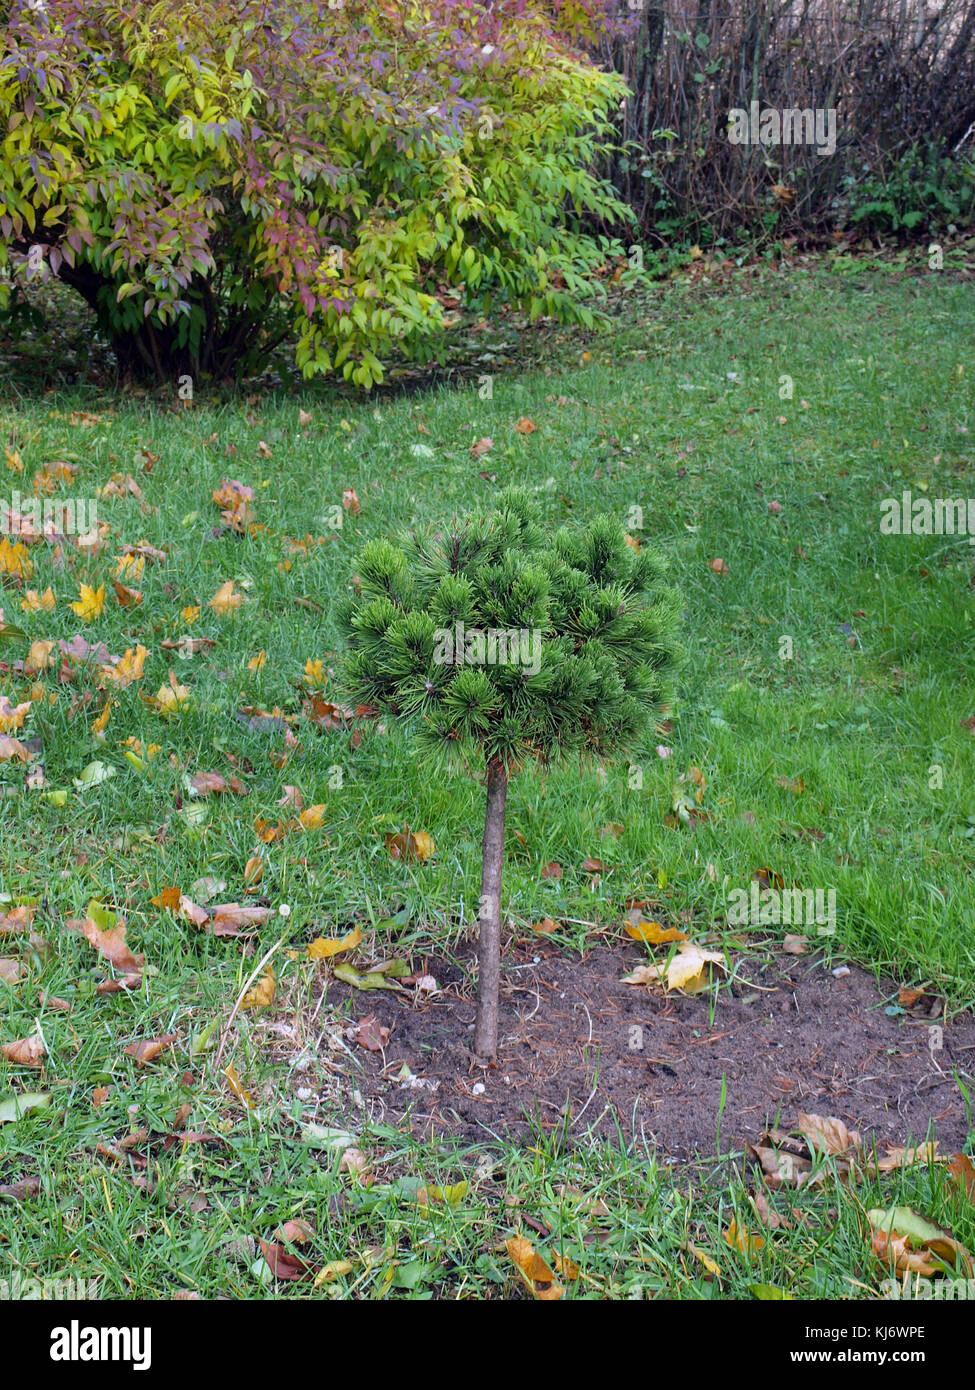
(489, 921)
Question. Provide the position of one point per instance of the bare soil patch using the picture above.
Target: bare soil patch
(788, 1036)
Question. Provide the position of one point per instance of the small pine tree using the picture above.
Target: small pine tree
(501, 643)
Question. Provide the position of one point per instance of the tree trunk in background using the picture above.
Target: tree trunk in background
(489, 918)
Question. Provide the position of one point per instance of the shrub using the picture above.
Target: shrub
(217, 175)
(592, 625)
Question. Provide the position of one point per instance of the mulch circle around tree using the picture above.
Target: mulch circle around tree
(788, 1037)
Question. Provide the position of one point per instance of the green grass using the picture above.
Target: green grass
(678, 413)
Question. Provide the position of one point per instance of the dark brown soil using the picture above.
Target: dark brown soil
(787, 1036)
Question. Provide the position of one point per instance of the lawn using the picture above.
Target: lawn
(825, 716)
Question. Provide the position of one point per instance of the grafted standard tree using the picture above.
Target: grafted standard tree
(501, 643)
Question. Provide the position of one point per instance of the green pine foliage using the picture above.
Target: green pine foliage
(598, 620)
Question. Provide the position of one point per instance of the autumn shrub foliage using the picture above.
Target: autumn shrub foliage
(216, 176)
(501, 644)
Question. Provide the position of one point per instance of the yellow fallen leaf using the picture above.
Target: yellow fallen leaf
(311, 817)
(225, 600)
(33, 602)
(710, 1265)
(189, 615)
(234, 1082)
(324, 947)
(741, 1240)
(335, 1269)
(444, 1196)
(14, 559)
(89, 603)
(654, 933)
(126, 670)
(39, 657)
(262, 994)
(256, 662)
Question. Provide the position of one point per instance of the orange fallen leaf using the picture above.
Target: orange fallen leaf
(535, 1273)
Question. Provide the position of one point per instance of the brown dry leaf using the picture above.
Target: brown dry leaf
(552, 870)
(791, 784)
(371, 1034)
(782, 1168)
(545, 926)
(324, 947)
(110, 944)
(253, 871)
(124, 985)
(17, 919)
(354, 1161)
(21, 1191)
(525, 426)
(795, 945)
(126, 597)
(11, 970)
(480, 447)
(51, 1001)
(828, 1135)
(283, 1263)
(613, 828)
(99, 1096)
(350, 501)
(12, 748)
(410, 845)
(654, 933)
(149, 1048)
(895, 1249)
(592, 866)
(535, 1273)
(718, 565)
(262, 994)
(896, 1157)
(26, 1052)
(962, 1171)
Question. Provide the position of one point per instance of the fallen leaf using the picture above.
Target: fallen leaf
(262, 994)
(740, 1239)
(538, 1278)
(90, 602)
(371, 1035)
(26, 1052)
(654, 933)
(236, 1087)
(410, 845)
(226, 601)
(149, 1048)
(283, 1263)
(324, 947)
